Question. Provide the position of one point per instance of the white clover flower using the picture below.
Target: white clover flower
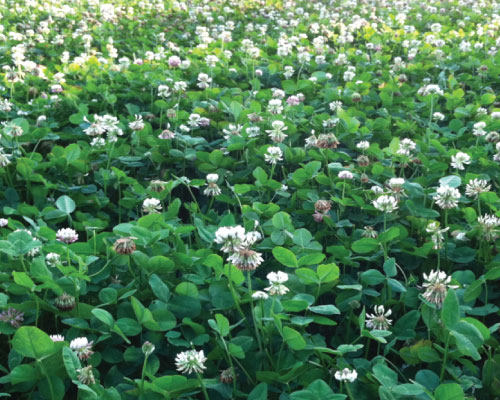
(52, 258)
(232, 238)
(180, 86)
(478, 128)
(460, 235)
(335, 106)
(148, 348)
(251, 238)
(475, 187)
(273, 155)
(246, 259)
(191, 361)
(86, 375)
(276, 280)
(275, 106)
(260, 295)
(346, 375)
(345, 175)
(232, 130)
(138, 124)
(447, 197)
(289, 71)
(211, 60)
(386, 203)
(395, 185)
(212, 188)
(406, 146)
(82, 347)
(277, 134)
(151, 206)
(458, 160)
(363, 145)
(430, 90)
(67, 235)
(3, 222)
(377, 189)
(379, 320)
(253, 131)
(163, 91)
(437, 234)
(57, 338)
(204, 81)
(4, 158)
(489, 226)
(438, 116)
(212, 178)
(436, 286)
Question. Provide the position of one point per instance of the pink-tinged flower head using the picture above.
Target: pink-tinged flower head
(82, 347)
(67, 235)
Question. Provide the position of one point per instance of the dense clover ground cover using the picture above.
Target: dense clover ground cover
(249, 199)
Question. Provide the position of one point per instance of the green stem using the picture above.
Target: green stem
(143, 373)
(233, 293)
(37, 312)
(445, 359)
(23, 264)
(130, 269)
(349, 394)
(257, 334)
(384, 245)
(202, 385)
(44, 370)
(273, 166)
(231, 365)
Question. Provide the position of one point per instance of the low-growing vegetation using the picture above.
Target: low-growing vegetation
(240, 199)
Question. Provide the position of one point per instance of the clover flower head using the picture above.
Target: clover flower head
(277, 280)
(346, 175)
(212, 188)
(346, 375)
(260, 295)
(67, 235)
(379, 319)
(273, 155)
(458, 160)
(57, 338)
(436, 286)
(386, 203)
(232, 238)
(475, 187)
(190, 361)
(12, 317)
(82, 347)
(151, 206)
(447, 197)
(86, 375)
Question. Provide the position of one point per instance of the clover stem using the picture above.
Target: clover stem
(231, 365)
(233, 294)
(428, 133)
(384, 244)
(446, 236)
(348, 390)
(44, 370)
(249, 277)
(202, 385)
(143, 373)
(272, 171)
(445, 359)
(130, 268)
